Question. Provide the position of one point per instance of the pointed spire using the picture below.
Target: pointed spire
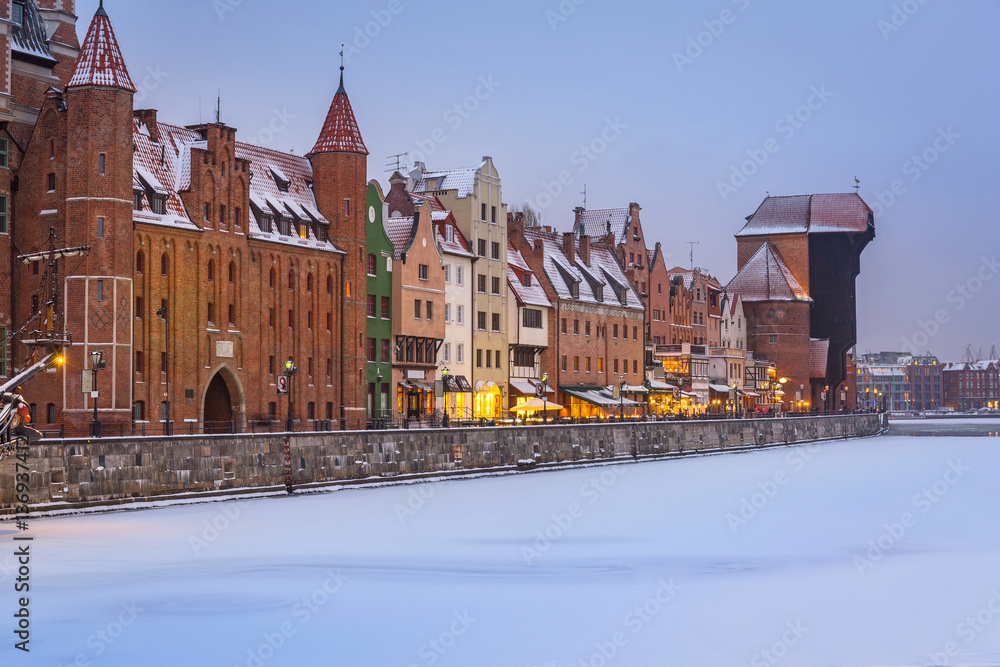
(340, 133)
(101, 62)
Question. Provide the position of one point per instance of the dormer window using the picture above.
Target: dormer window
(574, 289)
(282, 181)
(159, 204)
(137, 200)
(17, 13)
(526, 280)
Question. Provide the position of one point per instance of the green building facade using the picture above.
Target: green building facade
(379, 344)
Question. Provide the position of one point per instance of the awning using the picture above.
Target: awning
(658, 387)
(597, 396)
(463, 384)
(523, 387)
(751, 393)
(456, 384)
(536, 404)
(635, 390)
(486, 386)
(720, 388)
(422, 386)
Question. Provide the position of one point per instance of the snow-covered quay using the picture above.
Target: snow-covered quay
(882, 551)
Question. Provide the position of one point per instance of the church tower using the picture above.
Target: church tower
(340, 171)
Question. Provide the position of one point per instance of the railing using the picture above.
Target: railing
(436, 420)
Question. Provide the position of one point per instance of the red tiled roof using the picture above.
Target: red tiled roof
(101, 62)
(766, 277)
(819, 352)
(340, 132)
(813, 214)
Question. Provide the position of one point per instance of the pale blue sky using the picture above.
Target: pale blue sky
(558, 84)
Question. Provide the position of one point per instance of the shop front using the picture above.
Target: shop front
(489, 401)
(597, 403)
(457, 397)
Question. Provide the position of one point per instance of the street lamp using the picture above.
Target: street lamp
(621, 398)
(97, 363)
(290, 370)
(545, 398)
(445, 419)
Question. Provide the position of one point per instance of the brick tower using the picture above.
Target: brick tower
(340, 171)
(98, 213)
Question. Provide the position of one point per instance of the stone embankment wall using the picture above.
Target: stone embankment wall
(80, 472)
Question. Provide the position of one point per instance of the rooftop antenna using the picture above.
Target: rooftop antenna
(218, 108)
(585, 196)
(396, 159)
(857, 184)
(693, 244)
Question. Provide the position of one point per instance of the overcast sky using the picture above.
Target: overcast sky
(652, 102)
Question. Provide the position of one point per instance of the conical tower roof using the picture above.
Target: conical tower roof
(340, 132)
(101, 62)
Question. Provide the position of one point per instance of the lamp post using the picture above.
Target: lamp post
(445, 419)
(162, 313)
(97, 363)
(290, 371)
(621, 399)
(545, 398)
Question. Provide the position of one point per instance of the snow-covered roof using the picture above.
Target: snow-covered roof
(766, 277)
(340, 133)
(462, 180)
(101, 62)
(28, 38)
(458, 245)
(562, 271)
(819, 353)
(813, 214)
(400, 233)
(517, 268)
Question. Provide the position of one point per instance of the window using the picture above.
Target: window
(164, 265)
(496, 285)
(371, 306)
(222, 215)
(635, 333)
(52, 182)
(587, 364)
(446, 357)
(136, 201)
(430, 311)
(385, 308)
(482, 247)
(615, 334)
(102, 162)
(635, 367)
(100, 290)
(329, 284)
(422, 272)
(479, 358)
(237, 217)
(5, 147)
(498, 358)
(271, 318)
(447, 273)
(496, 322)
(371, 351)
(461, 315)
(483, 216)
(586, 328)
(600, 364)
(563, 326)
(140, 262)
(139, 310)
(563, 365)
(496, 249)
(447, 314)
(493, 214)
(773, 340)
(232, 314)
(310, 410)
(616, 366)
(460, 275)
(526, 280)
(347, 208)
(416, 309)
(163, 362)
(270, 364)
(211, 270)
(481, 321)
(489, 359)
(232, 273)
(576, 327)
(459, 354)
(272, 411)
(329, 322)
(348, 289)
(100, 228)
(211, 313)
(482, 284)
(533, 318)
(576, 364)
(385, 357)
(291, 319)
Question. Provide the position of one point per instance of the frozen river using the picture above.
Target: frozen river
(883, 551)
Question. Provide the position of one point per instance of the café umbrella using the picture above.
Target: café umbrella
(537, 404)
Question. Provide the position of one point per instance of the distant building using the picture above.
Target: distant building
(972, 386)
(924, 375)
(882, 382)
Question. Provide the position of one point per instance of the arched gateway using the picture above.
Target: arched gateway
(223, 406)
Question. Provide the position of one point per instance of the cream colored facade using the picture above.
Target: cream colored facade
(457, 352)
(474, 197)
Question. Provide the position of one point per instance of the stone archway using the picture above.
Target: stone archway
(223, 403)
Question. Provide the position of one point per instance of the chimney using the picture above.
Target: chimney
(515, 228)
(585, 249)
(569, 246)
(148, 118)
(577, 214)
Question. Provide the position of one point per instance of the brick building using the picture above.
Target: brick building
(971, 385)
(595, 324)
(924, 375)
(817, 240)
(211, 261)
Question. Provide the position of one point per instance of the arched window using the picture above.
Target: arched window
(770, 313)
(329, 284)
(232, 272)
(211, 270)
(309, 283)
(164, 265)
(140, 262)
(291, 280)
(273, 279)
